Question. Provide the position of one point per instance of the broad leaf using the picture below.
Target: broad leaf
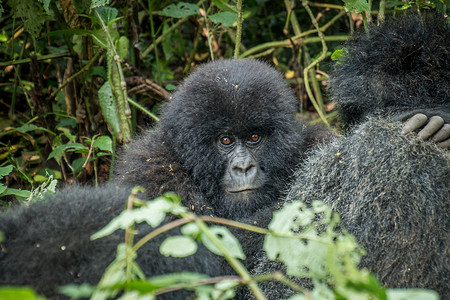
(227, 239)
(180, 10)
(153, 213)
(103, 143)
(58, 151)
(227, 18)
(178, 246)
(108, 106)
(5, 170)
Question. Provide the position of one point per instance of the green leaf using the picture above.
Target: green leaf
(46, 4)
(3, 38)
(18, 293)
(17, 193)
(190, 229)
(70, 136)
(153, 213)
(67, 122)
(108, 106)
(412, 294)
(58, 151)
(67, 31)
(5, 170)
(224, 6)
(107, 13)
(227, 239)
(162, 281)
(103, 143)
(122, 45)
(74, 291)
(39, 178)
(98, 3)
(28, 127)
(357, 6)
(101, 38)
(303, 257)
(171, 87)
(178, 246)
(31, 13)
(227, 18)
(123, 268)
(180, 10)
(2, 188)
(77, 164)
(96, 71)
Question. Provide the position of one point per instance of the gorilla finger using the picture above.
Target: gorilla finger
(433, 125)
(415, 122)
(445, 144)
(442, 134)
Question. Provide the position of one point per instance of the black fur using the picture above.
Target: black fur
(402, 67)
(239, 96)
(48, 244)
(392, 190)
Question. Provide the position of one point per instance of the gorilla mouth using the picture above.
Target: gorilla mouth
(243, 190)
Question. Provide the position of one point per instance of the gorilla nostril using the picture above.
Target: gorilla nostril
(244, 168)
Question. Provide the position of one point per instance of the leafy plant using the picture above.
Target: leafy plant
(307, 239)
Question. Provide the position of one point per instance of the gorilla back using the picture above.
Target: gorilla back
(392, 190)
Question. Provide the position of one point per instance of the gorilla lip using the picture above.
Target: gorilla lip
(243, 190)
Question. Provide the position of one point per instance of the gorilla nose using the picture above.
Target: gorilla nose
(244, 168)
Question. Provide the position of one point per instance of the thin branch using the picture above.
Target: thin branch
(298, 39)
(180, 286)
(235, 224)
(71, 78)
(167, 32)
(238, 29)
(314, 63)
(89, 154)
(38, 58)
(143, 109)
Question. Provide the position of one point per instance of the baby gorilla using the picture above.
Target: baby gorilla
(228, 143)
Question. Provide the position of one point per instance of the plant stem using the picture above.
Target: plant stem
(235, 264)
(238, 29)
(71, 78)
(118, 85)
(380, 18)
(314, 63)
(298, 39)
(168, 31)
(143, 109)
(208, 35)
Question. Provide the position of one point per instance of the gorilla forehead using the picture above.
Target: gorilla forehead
(236, 94)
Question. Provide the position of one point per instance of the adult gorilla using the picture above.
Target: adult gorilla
(228, 143)
(392, 189)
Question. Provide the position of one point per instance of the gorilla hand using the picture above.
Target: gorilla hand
(434, 128)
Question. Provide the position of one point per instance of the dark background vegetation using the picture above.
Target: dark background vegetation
(79, 78)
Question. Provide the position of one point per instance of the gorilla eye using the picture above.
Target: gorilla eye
(225, 140)
(254, 138)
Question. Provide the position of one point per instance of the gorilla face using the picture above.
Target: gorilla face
(243, 176)
(231, 125)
